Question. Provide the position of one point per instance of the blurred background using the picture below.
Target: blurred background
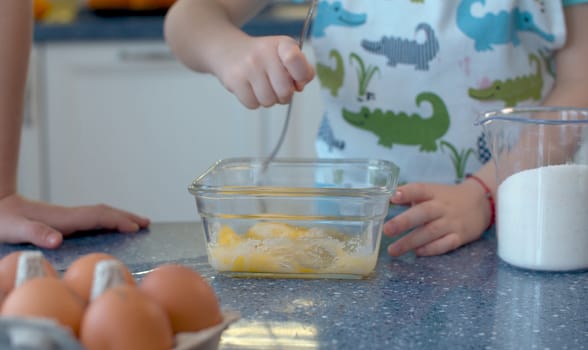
(112, 117)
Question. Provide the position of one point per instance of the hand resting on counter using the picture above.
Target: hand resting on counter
(45, 225)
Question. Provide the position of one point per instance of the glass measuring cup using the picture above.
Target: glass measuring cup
(541, 159)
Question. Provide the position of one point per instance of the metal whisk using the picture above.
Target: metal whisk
(303, 35)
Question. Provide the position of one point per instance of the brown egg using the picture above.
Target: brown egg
(185, 295)
(80, 273)
(124, 318)
(8, 269)
(46, 297)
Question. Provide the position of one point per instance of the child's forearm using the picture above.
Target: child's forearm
(15, 35)
(200, 32)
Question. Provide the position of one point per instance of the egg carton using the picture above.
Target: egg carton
(17, 333)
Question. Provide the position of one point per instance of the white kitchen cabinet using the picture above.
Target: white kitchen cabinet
(125, 124)
(30, 166)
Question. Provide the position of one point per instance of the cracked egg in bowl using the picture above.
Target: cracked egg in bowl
(295, 218)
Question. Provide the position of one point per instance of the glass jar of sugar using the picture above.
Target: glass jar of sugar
(541, 160)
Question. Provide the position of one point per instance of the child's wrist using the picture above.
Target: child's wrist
(488, 195)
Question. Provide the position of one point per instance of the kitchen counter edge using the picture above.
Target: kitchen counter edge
(90, 26)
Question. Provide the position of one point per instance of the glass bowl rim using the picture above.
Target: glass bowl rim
(197, 187)
(510, 114)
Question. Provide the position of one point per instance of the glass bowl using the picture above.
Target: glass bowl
(297, 218)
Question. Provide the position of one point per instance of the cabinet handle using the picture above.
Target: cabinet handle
(146, 56)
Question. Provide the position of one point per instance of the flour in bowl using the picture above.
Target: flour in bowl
(543, 218)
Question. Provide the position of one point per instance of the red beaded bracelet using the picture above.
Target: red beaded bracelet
(489, 196)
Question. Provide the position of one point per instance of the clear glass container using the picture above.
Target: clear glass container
(298, 218)
(541, 158)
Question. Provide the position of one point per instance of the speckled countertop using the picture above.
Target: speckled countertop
(468, 299)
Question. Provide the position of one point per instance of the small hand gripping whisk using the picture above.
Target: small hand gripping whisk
(303, 35)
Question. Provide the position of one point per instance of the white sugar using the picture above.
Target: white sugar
(542, 218)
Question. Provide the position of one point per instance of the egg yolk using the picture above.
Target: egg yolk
(227, 237)
(273, 247)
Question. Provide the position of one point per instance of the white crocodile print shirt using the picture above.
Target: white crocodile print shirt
(405, 80)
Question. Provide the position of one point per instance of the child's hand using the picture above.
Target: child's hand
(442, 217)
(44, 225)
(263, 71)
